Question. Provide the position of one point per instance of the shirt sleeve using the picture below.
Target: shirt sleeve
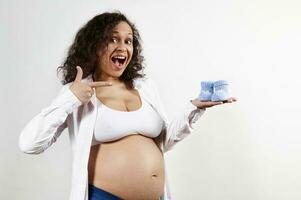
(44, 129)
(181, 125)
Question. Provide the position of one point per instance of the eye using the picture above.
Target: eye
(114, 40)
(129, 41)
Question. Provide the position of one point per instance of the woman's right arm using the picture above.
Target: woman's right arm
(44, 129)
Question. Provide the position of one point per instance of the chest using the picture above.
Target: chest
(119, 99)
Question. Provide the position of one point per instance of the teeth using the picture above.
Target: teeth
(120, 57)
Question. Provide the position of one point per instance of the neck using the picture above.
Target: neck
(115, 81)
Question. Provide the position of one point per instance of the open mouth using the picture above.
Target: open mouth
(118, 60)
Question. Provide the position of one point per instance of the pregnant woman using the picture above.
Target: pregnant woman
(117, 125)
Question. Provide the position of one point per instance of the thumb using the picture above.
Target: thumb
(79, 74)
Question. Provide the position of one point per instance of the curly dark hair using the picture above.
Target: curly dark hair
(94, 36)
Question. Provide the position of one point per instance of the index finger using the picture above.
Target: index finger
(99, 84)
(230, 100)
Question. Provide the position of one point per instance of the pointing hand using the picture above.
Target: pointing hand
(84, 91)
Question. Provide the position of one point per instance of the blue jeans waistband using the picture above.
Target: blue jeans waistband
(96, 193)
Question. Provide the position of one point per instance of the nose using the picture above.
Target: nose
(121, 47)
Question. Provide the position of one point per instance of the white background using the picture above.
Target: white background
(250, 150)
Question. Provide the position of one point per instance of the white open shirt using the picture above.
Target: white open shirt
(66, 110)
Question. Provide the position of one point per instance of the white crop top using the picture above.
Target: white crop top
(114, 124)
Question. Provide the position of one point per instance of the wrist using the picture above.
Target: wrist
(194, 102)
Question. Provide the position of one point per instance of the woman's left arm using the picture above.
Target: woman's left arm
(181, 125)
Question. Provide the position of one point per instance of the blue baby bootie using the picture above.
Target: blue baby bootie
(206, 91)
(221, 91)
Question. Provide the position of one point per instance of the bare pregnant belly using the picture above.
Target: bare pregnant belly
(131, 168)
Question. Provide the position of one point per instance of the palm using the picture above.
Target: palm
(207, 104)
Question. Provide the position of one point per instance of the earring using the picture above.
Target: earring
(221, 91)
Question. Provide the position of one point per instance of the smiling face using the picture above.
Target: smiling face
(115, 57)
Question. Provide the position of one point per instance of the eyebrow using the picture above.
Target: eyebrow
(118, 32)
